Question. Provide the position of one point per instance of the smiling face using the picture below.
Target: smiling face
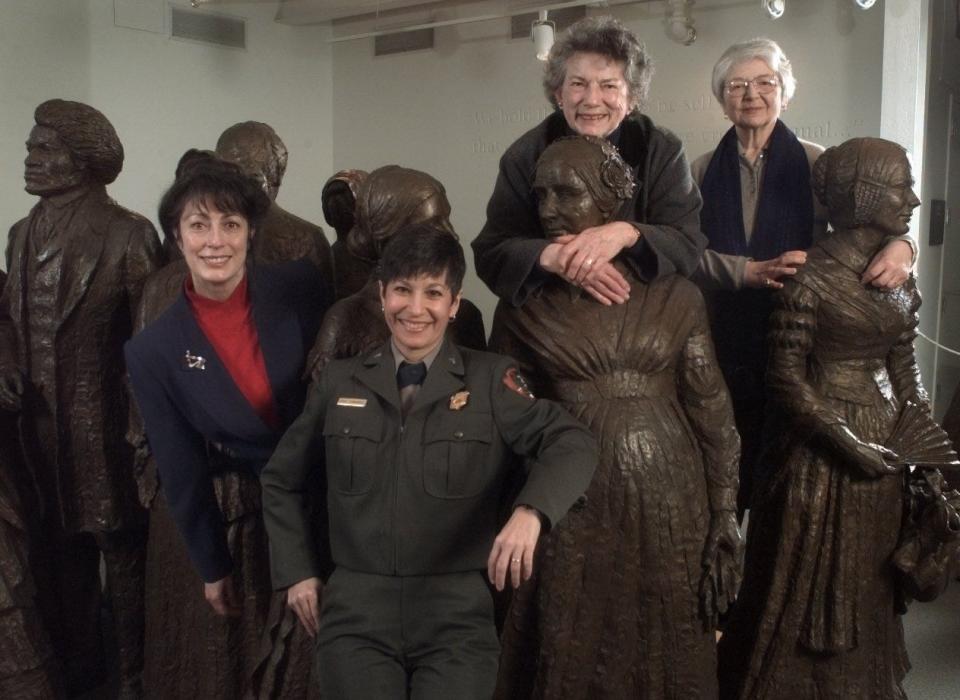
(417, 312)
(49, 167)
(595, 96)
(214, 245)
(751, 110)
(565, 203)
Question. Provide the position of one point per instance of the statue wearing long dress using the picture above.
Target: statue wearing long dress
(818, 615)
(389, 199)
(625, 591)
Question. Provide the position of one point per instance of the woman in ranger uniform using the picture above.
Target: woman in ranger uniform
(416, 441)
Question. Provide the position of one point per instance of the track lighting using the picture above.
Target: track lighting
(774, 8)
(542, 31)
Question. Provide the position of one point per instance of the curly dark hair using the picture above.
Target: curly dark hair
(88, 134)
(606, 36)
(215, 182)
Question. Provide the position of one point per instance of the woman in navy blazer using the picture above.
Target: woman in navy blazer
(217, 381)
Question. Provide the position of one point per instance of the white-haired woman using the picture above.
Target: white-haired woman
(760, 216)
(597, 77)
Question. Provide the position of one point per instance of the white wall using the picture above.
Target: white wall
(165, 95)
(44, 50)
(454, 109)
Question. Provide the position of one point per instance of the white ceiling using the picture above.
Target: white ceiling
(323, 11)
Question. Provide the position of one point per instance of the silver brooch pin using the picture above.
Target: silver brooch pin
(194, 361)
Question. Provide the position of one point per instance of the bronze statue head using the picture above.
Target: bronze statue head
(71, 145)
(259, 152)
(392, 198)
(339, 199)
(866, 182)
(581, 181)
(191, 157)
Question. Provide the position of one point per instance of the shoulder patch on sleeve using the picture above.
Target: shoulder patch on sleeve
(515, 382)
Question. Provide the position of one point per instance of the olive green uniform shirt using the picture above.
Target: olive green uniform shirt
(418, 496)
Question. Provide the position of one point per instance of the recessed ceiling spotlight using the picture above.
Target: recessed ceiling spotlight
(865, 4)
(774, 8)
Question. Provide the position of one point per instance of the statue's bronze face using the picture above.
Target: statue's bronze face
(49, 167)
(898, 199)
(566, 205)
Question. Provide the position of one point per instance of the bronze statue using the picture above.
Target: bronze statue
(76, 266)
(627, 589)
(339, 199)
(28, 667)
(819, 612)
(389, 199)
(260, 153)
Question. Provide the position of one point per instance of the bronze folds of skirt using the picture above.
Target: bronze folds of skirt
(193, 653)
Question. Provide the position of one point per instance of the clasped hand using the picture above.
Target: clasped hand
(586, 259)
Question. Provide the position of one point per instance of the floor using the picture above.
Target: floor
(932, 633)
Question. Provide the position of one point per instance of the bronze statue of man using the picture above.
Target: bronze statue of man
(76, 266)
(256, 148)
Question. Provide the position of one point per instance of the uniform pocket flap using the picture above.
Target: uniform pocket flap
(459, 427)
(348, 422)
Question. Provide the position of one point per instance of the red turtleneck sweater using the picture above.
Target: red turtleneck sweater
(229, 327)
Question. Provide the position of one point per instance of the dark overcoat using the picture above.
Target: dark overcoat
(108, 252)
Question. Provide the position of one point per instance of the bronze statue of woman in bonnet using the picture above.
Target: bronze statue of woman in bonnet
(629, 586)
(389, 199)
(819, 612)
(339, 199)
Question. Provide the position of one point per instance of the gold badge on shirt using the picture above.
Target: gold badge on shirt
(459, 400)
(352, 403)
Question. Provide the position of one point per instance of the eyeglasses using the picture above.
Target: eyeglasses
(763, 86)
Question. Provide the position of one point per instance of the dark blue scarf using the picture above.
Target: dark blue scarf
(785, 214)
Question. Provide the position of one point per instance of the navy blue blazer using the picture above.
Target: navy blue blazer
(188, 405)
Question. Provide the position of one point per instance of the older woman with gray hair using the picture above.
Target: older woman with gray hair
(597, 76)
(760, 215)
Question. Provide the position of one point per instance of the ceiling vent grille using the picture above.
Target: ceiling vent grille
(208, 28)
(415, 40)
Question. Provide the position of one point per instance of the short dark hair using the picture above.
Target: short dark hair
(219, 183)
(88, 134)
(423, 249)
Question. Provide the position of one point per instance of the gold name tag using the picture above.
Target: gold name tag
(353, 403)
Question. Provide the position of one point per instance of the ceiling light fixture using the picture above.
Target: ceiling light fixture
(774, 8)
(679, 21)
(542, 31)
(865, 4)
